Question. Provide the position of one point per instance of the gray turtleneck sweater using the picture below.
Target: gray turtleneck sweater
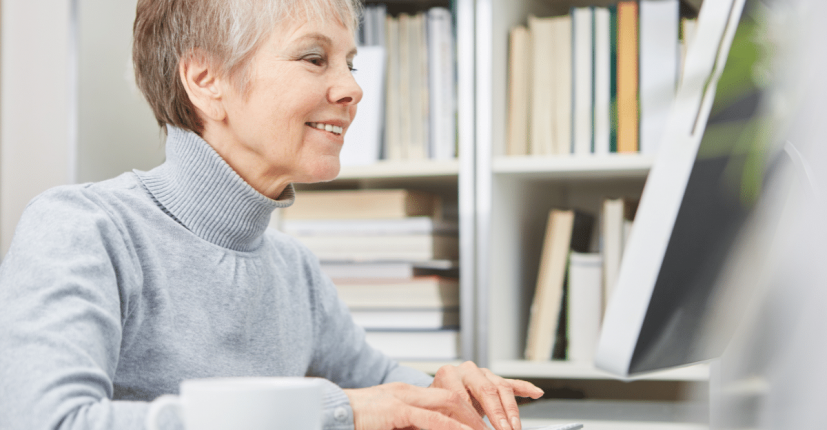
(114, 292)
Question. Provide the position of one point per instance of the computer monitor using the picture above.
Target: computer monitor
(700, 192)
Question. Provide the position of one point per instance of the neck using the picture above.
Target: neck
(249, 164)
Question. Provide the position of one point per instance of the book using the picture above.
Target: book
(380, 13)
(417, 89)
(388, 269)
(365, 204)
(584, 305)
(442, 88)
(659, 57)
(424, 132)
(615, 228)
(369, 227)
(406, 104)
(543, 84)
(406, 319)
(416, 345)
(613, 78)
(563, 85)
(627, 76)
(391, 247)
(365, 35)
(566, 230)
(392, 149)
(602, 80)
(583, 78)
(426, 292)
(519, 90)
(363, 141)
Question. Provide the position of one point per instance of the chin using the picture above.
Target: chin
(325, 171)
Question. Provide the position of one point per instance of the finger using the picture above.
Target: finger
(487, 394)
(445, 401)
(525, 389)
(509, 403)
(426, 419)
(449, 378)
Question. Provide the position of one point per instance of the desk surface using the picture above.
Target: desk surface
(617, 415)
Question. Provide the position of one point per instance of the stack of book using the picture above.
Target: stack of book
(574, 284)
(392, 256)
(408, 60)
(596, 81)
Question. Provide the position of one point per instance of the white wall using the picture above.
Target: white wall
(116, 129)
(35, 105)
(69, 110)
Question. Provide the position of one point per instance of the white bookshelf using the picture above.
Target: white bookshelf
(403, 170)
(574, 370)
(574, 166)
(453, 180)
(513, 198)
(503, 201)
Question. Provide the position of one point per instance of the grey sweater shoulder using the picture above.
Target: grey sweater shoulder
(112, 293)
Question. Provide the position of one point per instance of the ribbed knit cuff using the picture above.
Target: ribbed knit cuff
(337, 413)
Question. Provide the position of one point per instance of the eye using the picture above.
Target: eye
(315, 60)
(350, 66)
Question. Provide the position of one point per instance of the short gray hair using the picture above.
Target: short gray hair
(226, 33)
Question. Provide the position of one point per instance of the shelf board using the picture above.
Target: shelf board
(575, 166)
(402, 169)
(571, 370)
(429, 367)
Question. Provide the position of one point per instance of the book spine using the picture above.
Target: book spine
(435, 76)
(584, 308)
(613, 78)
(602, 81)
(391, 145)
(518, 91)
(627, 76)
(543, 78)
(563, 91)
(582, 77)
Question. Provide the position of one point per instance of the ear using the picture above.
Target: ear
(203, 86)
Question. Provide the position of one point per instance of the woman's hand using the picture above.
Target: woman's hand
(488, 393)
(403, 406)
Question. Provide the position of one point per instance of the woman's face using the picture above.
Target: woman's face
(301, 100)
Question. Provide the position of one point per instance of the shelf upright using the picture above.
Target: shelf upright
(493, 19)
(466, 100)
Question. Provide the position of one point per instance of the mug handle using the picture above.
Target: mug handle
(157, 406)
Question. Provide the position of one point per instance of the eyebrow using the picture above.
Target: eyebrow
(322, 39)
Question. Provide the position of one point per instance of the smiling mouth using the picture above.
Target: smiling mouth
(326, 127)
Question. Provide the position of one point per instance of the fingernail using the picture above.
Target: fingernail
(504, 424)
(515, 423)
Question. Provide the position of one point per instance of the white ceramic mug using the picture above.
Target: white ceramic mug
(244, 403)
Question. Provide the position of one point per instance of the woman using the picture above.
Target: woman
(114, 292)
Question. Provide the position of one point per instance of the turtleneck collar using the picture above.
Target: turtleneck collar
(204, 194)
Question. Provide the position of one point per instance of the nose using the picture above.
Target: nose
(345, 90)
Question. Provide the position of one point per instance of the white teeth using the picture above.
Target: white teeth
(326, 127)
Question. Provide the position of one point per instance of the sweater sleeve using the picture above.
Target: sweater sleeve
(61, 313)
(343, 356)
